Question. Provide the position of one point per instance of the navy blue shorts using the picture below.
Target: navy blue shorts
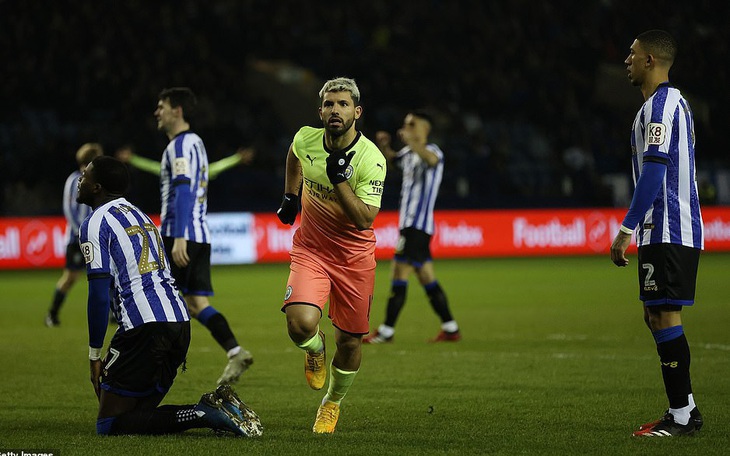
(144, 360)
(74, 257)
(193, 279)
(668, 274)
(413, 247)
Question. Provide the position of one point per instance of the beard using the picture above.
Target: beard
(339, 130)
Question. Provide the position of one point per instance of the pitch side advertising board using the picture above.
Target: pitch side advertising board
(243, 238)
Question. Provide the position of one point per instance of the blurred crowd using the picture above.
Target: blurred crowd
(531, 100)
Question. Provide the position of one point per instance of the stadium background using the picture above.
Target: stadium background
(532, 102)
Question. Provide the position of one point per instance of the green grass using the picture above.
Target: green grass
(555, 360)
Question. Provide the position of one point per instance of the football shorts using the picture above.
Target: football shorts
(349, 289)
(667, 274)
(144, 360)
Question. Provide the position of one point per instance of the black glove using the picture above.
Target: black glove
(287, 212)
(337, 163)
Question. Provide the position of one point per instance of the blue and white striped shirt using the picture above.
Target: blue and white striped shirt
(664, 131)
(74, 212)
(184, 168)
(419, 189)
(120, 241)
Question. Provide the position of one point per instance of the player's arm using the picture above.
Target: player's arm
(98, 319)
(360, 213)
(418, 145)
(383, 141)
(243, 155)
(126, 155)
(183, 214)
(426, 155)
(293, 177)
(289, 208)
(183, 204)
(647, 188)
(68, 204)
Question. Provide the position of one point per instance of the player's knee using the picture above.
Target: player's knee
(647, 320)
(348, 344)
(196, 304)
(662, 316)
(301, 328)
(193, 311)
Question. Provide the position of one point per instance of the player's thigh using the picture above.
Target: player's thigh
(426, 273)
(351, 298)
(401, 270)
(308, 282)
(143, 361)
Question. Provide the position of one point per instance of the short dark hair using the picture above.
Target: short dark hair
(181, 97)
(659, 43)
(111, 174)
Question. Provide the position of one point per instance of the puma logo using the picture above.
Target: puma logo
(311, 160)
(379, 165)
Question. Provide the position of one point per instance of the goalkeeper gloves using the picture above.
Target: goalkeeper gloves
(337, 163)
(287, 212)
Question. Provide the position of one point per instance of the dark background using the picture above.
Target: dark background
(532, 104)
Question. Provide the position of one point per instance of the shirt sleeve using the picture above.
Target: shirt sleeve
(370, 173)
(647, 188)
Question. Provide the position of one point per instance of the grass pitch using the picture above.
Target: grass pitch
(555, 360)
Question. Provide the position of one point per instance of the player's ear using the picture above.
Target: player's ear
(358, 112)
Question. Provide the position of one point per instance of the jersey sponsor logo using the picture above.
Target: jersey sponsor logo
(656, 133)
(377, 187)
(88, 251)
(181, 166)
(319, 191)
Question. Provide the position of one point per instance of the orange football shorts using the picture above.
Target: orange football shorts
(349, 289)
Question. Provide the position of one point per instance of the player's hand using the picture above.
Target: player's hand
(95, 376)
(618, 249)
(411, 137)
(287, 212)
(405, 135)
(180, 252)
(246, 154)
(337, 163)
(124, 154)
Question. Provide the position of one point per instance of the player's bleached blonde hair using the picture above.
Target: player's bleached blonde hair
(88, 152)
(341, 85)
